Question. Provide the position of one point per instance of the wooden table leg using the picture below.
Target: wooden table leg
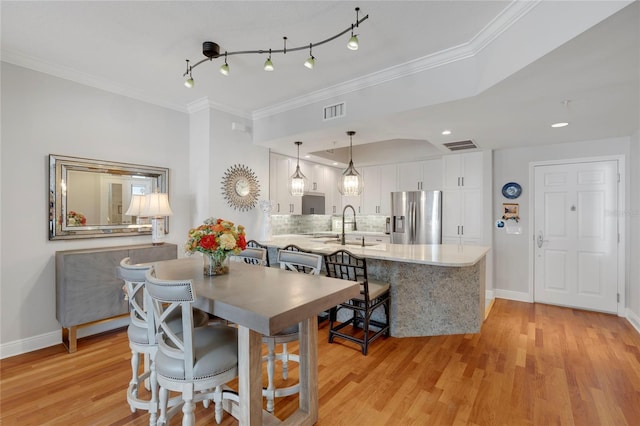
(307, 414)
(249, 377)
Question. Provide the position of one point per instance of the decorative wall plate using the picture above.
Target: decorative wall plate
(511, 190)
(240, 187)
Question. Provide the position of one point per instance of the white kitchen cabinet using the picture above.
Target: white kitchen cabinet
(462, 201)
(315, 174)
(420, 176)
(281, 169)
(379, 182)
(462, 170)
(332, 197)
(462, 217)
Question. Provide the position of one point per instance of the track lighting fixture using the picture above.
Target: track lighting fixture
(189, 81)
(311, 61)
(211, 51)
(351, 183)
(224, 69)
(298, 183)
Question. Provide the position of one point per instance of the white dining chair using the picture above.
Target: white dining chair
(195, 362)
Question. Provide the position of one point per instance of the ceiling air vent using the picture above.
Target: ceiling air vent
(460, 145)
(334, 111)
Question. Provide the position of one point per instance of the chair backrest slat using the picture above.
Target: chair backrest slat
(253, 256)
(141, 314)
(167, 297)
(300, 261)
(347, 266)
(255, 244)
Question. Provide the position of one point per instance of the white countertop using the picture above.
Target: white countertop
(428, 254)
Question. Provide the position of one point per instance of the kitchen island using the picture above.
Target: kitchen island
(435, 289)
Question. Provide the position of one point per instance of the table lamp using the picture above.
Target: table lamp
(156, 207)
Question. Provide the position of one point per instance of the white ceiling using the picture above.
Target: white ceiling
(138, 48)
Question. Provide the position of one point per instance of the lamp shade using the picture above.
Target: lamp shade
(136, 205)
(156, 205)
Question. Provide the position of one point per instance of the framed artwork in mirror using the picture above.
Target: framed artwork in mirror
(93, 198)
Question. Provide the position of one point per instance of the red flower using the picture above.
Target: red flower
(208, 242)
(242, 242)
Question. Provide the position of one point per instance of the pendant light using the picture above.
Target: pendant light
(189, 81)
(298, 183)
(351, 183)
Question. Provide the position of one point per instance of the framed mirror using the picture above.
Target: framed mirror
(92, 198)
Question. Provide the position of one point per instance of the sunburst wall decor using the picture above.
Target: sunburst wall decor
(240, 187)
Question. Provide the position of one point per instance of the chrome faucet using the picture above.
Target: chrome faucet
(355, 227)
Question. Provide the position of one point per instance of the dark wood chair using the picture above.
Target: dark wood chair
(373, 295)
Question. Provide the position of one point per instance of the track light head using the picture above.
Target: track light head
(310, 62)
(224, 69)
(268, 65)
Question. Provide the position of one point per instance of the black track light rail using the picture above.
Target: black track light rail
(270, 51)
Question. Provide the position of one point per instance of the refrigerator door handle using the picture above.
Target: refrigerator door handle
(414, 220)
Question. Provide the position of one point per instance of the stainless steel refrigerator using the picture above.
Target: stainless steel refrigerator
(416, 217)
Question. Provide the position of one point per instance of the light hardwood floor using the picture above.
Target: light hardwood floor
(532, 364)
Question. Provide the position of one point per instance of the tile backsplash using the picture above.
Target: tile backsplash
(300, 224)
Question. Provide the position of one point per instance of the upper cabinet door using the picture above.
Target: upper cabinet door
(388, 184)
(410, 176)
(462, 170)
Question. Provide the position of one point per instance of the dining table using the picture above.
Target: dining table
(263, 301)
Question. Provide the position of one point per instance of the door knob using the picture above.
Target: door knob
(540, 239)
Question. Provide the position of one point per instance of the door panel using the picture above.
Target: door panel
(576, 249)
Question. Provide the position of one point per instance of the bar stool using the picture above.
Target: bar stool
(195, 361)
(373, 295)
(297, 262)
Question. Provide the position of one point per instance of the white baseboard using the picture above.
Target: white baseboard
(489, 294)
(513, 295)
(634, 319)
(53, 338)
(30, 344)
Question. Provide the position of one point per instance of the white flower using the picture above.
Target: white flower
(227, 241)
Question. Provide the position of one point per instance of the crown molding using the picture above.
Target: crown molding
(70, 74)
(205, 103)
(509, 16)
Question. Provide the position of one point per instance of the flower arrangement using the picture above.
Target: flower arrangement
(217, 238)
(76, 219)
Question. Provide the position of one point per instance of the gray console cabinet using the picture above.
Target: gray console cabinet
(88, 290)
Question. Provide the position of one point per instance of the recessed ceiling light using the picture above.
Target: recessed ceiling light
(334, 163)
(446, 132)
(307, 156)
(561, 124)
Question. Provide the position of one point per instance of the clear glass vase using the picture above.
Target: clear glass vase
(215, 265)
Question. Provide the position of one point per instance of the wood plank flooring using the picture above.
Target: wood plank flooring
(532, 364)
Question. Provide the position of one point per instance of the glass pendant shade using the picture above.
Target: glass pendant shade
(224, 69)
(351, 183)
(189, 82)
(268, 65)
(353, 42)
(298, 183)
(310, 62)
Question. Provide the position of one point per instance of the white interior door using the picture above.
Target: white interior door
(576, 235)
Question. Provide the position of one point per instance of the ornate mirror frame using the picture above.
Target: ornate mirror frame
(102, 175)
